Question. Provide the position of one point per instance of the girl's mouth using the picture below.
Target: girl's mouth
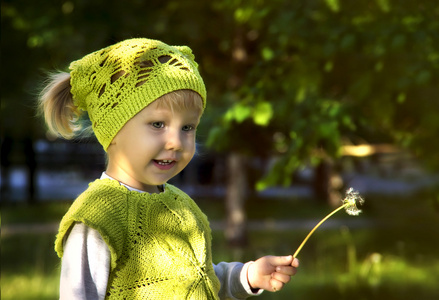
(164, 164)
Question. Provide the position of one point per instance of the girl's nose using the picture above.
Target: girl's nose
(174, 141)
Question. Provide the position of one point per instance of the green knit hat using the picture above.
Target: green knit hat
(117, 82)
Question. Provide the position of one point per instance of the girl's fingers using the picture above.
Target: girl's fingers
(287, 270)
(280, 277)
(276, 285)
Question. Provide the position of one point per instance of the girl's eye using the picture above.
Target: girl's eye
(188, 128)
(158, 124)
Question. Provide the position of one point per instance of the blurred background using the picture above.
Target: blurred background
(305, 99)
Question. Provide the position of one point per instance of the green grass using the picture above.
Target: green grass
(394, 257)
(30, 267)
(40, 213)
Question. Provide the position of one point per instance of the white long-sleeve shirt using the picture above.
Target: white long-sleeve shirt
(86, 266)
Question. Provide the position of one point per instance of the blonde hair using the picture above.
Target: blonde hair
(67, 120)
(56, 105)
(181, 100)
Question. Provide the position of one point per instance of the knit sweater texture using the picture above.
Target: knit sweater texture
(160, 244)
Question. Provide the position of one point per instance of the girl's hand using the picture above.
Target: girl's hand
(271, 273)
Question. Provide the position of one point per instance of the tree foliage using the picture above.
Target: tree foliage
(323, 73)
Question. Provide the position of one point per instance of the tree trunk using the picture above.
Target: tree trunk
(236, 231)
(327, 183)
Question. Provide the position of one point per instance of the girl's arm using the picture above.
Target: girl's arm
(85, 265)
(234, 283)
(239, 281)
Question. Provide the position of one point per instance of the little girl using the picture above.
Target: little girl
(131, 235)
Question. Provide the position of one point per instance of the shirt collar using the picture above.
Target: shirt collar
(130, 188)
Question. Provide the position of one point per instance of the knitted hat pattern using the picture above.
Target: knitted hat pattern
(117, 82)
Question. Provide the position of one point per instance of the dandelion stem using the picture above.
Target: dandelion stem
(315, 227)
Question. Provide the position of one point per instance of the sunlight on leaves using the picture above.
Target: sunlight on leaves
(401, 98)
(262, 113)
(238, 113)
(384, 5)
(329, 65)
(333, 5)
(242, 15)
(301, 94)
(267, 54)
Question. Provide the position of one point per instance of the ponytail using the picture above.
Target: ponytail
(56, 104)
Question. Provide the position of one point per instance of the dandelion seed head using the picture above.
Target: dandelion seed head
(351, 200)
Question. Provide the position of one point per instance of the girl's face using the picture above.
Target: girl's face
(152, 147)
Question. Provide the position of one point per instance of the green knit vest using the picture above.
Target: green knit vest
(160, 244)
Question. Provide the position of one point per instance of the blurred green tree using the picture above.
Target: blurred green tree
(305, 77)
